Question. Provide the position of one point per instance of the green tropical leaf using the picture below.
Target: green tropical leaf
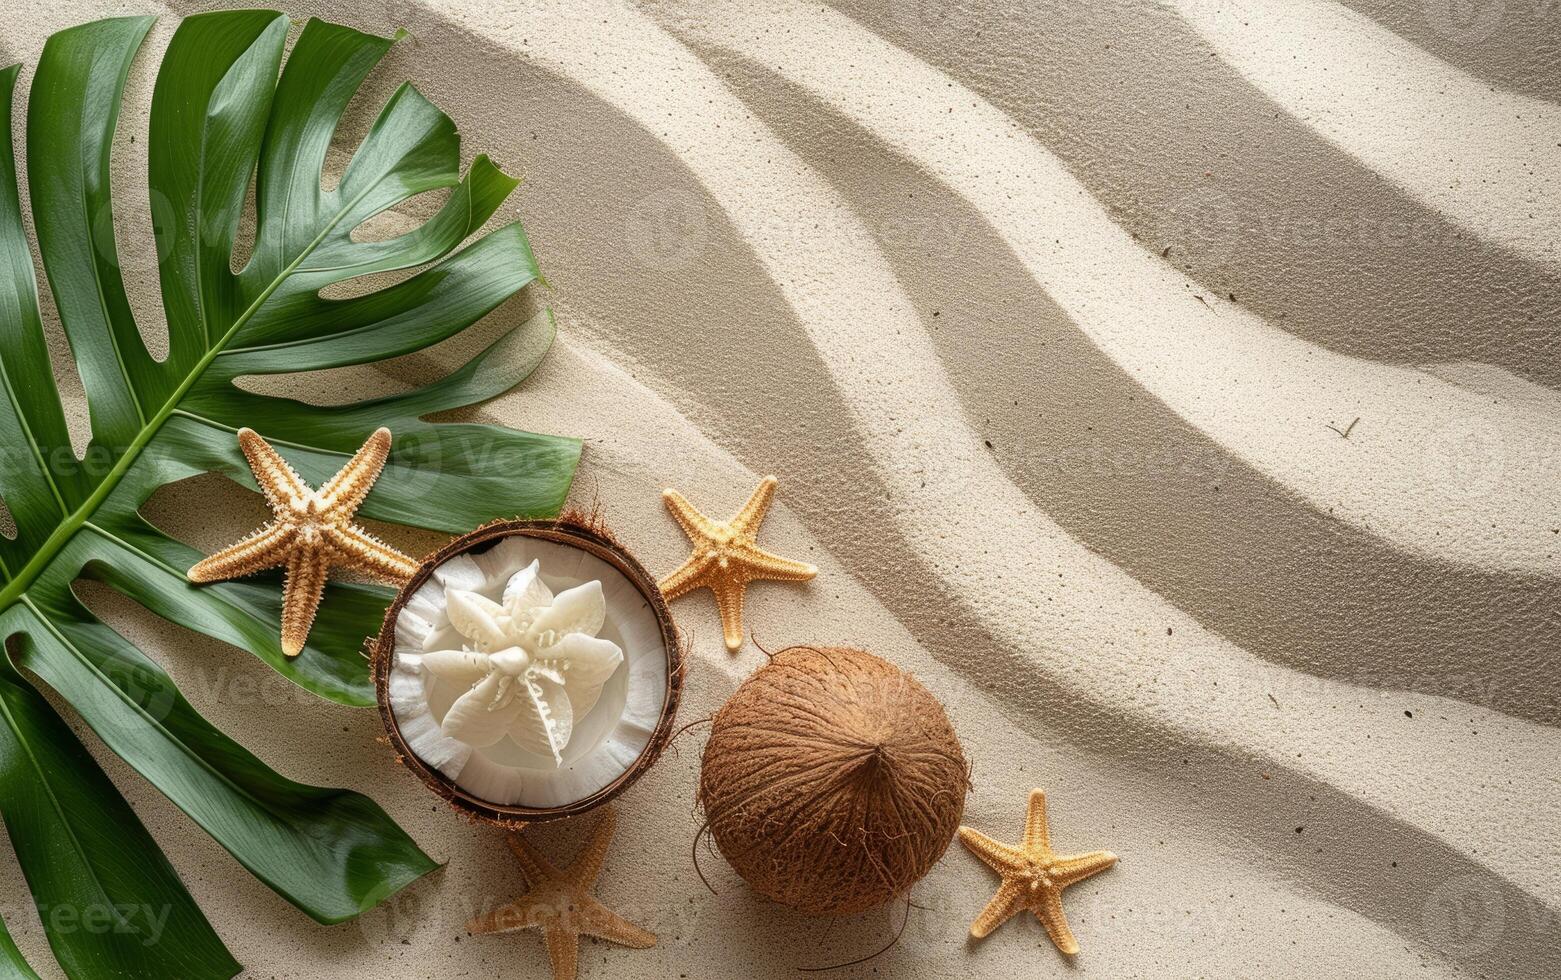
(110, 903)
(227, 114)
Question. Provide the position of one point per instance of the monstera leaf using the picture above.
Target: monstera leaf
(225, 112)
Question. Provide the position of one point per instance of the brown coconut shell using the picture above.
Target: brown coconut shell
(832, 780)
(579, 530)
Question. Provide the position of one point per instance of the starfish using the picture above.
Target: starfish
(561, 905)
(726, 557)
(310, 533)
(1033, 876)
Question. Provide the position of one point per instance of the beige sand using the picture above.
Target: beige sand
(1302, 685)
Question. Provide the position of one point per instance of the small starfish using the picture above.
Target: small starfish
(310, 533)
(1033, 876)
(561, 905)
(726, 557)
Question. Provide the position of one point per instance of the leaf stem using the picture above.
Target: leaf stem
(73, 522)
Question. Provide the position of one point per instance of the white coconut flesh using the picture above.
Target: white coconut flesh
(518, 766)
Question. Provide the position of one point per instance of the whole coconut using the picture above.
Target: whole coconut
(832, 780)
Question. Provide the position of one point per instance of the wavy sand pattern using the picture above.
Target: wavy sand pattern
(1372, 94)
(1304, 685)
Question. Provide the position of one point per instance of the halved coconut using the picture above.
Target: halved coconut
(529, 670)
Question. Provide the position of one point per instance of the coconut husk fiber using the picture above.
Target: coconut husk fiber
(832, 780)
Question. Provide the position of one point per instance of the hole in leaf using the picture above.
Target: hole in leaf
(404, 218)
(248, 226)
(128, 235)
(7, 522)
(363, 108)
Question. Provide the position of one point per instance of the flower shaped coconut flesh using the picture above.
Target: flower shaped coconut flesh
(529, 671)
(533, 663)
